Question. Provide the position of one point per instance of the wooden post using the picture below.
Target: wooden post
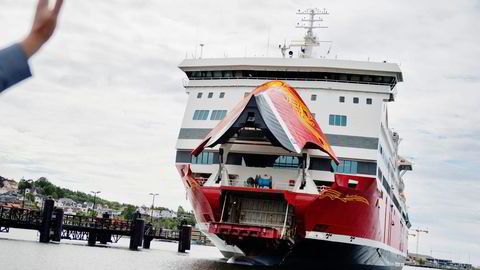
(184, 238)
(46, 221)
(136, 238)
(57, 224)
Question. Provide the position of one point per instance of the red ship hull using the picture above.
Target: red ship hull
(354, 227)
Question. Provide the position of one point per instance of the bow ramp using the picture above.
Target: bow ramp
(273, 111)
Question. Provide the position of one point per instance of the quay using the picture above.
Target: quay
(54, 225)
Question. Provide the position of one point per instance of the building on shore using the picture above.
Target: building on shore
(432, 262)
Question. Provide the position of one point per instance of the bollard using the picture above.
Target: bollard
(146, 242)
(146, 236)
(92, 238)
(105, 237)
(184, 238)
(46, 221)
(138, 229)
(57, 224)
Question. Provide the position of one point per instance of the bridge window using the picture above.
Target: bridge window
(337, 120)
(218, 114)
(355, 100)
(369, 168)
(203, 158)
(210, 95)
(291, 75)
(200, 114)
(314, 97)
(342, 99)
(222, 95)
(345, 166)
(199, 95)
(286, 162)
(369, 101)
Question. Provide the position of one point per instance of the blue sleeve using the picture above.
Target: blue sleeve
(13, 66)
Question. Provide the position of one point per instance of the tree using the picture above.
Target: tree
(42, 182)
(23, 185)
(128, 212)
(29, 196)
(180, 210)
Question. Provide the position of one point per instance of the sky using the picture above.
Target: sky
(104, 107)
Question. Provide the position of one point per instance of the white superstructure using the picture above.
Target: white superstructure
(349, 100)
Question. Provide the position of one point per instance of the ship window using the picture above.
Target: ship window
(345, 166)
(386, 185)
(355, 100)
(341, 99)
(286, 162)
(337, 120)
(210, 95)
(320, 164)
(199, 95)
(217, 74)
(228, 74)
(203, 158)
(200, 114)
(314, 97)
(369, 168)
(369, 101)
(218, 114)
(222, 95)
(379, 174)
(238, 74)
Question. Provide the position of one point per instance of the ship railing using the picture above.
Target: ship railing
(277, 184)
(392, 84)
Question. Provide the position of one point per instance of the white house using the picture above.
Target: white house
(66, 202)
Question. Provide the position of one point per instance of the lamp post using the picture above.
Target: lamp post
(153, 205)
(94, 198)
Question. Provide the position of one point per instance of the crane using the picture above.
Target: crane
(418, 236)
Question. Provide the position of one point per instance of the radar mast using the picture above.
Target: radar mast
(309, 22)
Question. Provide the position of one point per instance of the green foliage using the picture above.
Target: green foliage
(44, 187)
(29, 196)
(128, 212)
(24, 184)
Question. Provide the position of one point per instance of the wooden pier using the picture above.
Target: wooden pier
(54, 225)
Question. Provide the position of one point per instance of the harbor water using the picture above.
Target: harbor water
(20, 250)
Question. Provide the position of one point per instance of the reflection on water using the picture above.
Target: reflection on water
(20, 250)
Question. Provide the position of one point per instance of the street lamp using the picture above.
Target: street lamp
(153, 205)
(94, 198)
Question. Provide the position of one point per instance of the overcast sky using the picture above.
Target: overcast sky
(104, 107)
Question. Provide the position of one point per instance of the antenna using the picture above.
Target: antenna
(284, 48)
(201, 50)
(309, 23)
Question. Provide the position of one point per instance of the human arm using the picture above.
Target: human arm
(14, 59)
(13, 66)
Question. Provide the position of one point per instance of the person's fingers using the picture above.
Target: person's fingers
(42, 4)
(58, 6)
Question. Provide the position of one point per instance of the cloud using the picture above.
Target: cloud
(106, 102)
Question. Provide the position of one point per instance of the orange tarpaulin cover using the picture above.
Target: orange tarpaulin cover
(286, 116)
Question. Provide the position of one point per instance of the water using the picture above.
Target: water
(20, 250)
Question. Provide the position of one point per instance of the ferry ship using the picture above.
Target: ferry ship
(291, 160)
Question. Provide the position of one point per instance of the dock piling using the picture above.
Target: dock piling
(57, 224)
(138, 229)
(46, 221)
(184, 238)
